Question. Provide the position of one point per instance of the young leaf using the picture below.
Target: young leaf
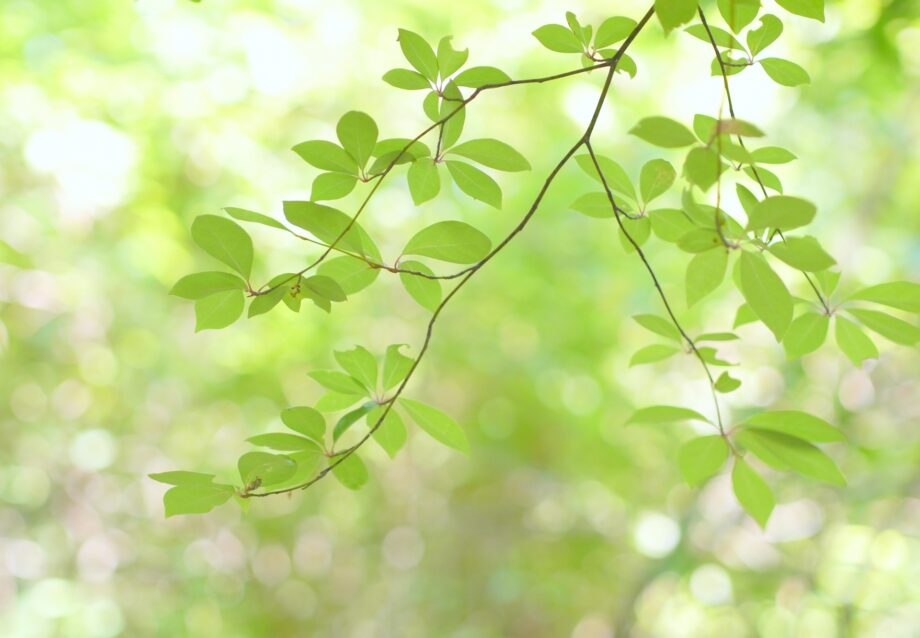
(264, 468)
(903, 295)
(656, 178)
(352, 274)
(703, 167)
(612, 30)
(475, 183)
(479, 76)
(196, 498)
(785, 72)
(663, 131)
(765, 293)
(853, 342)
(450, 59)
(324, 287)
(391, 433)
(396, 366)
(772, 155)
(556, 37)
(426, 292)
(701, 458)
(334, 401)
(781, 211)
(673, 13)
(665, 414)
(204, 284)
(326, 156)
(419, 54)
(705, 272)
(451, 241)
(328, 186)
(224, 240)
(351, 472)
(798, 424)
(891, 328)
(593, 205)
(406, 79)
(791, 452)
(360, 364)
(803, 253)
(805, 334)
(283, 442)
(806, 8)
(752, 492)
(726, 383)
(766, 34)
(653, 354)
(721, 37)
(328, 224)
(616, 178)
(718, 336)
(438, 425)
(218, 310)
(424, 181)
(305, 420)
(251, 216)
(357, 132)
(182, 477)
(738, 13)
(492, 153)
(338, 382)
(658, 325)
(670, 224)
(349, 419)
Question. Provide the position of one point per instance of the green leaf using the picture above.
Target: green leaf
(357, 132)
(616, 178)
(424, 181)
(738, 13)
(327, 225)
(665, 414)
(325, 287)
(785, 72)
(656, 178)
(853, 341)
(828, 280)
(903, 295)
(436, 424)
(803, 253)
(766, 34)
(406, 79)
(556, 37)
(451, 241)
(798, 424)
(752, 492)
(475, 183)
(453, 110)
(726, 383)
(334, 401)
(224, 240)
(721, 37)
(705, 272)
(450, 59)
(612, 30)
(806, 8)
(305, 420)
(658, 325)
(718, 336)
(653, 354)
(351, 472)
(638, 230)
(781, 211)
(805, 334)
(196, 498)
(744, 315)
(701, 458)
(349, 419)
(762, 175)
(492, 153)
(663, 131)
(593, 205)
(765, 293)
(891, 328)
(283, 442)
(251, 216)
(772, 155)
(204, 284)
(360, 364)
(673, 13)
(329, 186)
(326, 156)
(734, 126)
(182, 477)
(419, 54)
(789, 452)
(699, 241)
(703, 167)
(391, 434)
(479, 76)
(264, 468)
(352, 274)
(396, 366)
(218, 310)
(670, 224)
(426, 292)
(338, 382)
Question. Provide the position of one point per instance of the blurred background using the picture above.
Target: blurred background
(120, 121)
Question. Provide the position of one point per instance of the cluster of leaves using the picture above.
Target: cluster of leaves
(759, 247)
